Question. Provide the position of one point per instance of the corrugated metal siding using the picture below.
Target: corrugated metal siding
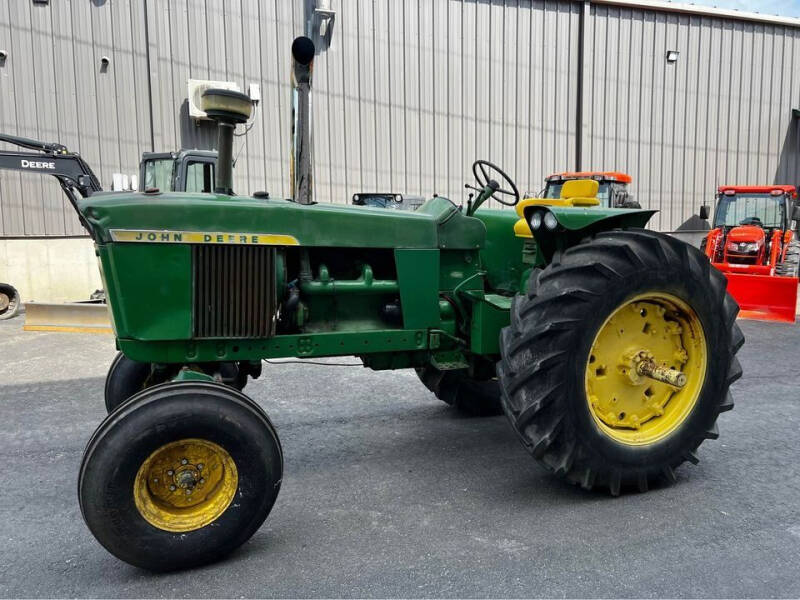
(52, 88)
(721, 114)
(410, 93)
(244, 41)
(406, 96)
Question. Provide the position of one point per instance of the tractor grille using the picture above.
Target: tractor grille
(234, 291)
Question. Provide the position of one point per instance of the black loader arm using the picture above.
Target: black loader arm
(53, 159)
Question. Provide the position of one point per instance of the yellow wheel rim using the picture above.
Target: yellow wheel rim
(627, 405)
(185, 485)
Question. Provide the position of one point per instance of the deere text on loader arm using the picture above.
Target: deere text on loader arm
(73, 174)
(184, 170)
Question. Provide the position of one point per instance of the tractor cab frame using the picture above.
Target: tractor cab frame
(612, 188)
(181, 171)
(776, 202)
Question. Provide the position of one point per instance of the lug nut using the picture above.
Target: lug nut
(202, 480)
(155, 479)
(170, 472)
(172, 488)
(184, 461)
(199, 466)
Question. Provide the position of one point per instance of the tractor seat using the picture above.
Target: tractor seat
(580, 192)
(575, 192)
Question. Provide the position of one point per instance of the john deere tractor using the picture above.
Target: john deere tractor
(609, 348)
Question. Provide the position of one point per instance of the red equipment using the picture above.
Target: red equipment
(753, 244)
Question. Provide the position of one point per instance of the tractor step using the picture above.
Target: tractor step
(71, 317)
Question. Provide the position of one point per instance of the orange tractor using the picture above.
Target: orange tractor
(754, 245)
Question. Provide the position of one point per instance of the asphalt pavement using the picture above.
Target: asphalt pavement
(389, 492)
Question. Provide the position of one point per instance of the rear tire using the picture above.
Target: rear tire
(158, 441)
(9, 302)
(791, 262)
(555, 327)
(458, 389)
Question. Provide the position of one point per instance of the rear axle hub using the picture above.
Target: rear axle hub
(645, 369)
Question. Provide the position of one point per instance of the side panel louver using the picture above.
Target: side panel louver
(234, 291)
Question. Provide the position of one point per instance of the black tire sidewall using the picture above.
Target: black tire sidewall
(670, 450)
(474, 397)
(13, 307)
(125, 378)
(146, 423)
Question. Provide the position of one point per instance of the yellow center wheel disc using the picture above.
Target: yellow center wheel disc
(185, 485)
(628, 406)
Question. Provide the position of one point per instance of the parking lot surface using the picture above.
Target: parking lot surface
(389, 492)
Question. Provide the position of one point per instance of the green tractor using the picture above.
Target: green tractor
(609, 348)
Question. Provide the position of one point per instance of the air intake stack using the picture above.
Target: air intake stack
(300, 183)
(228, 108)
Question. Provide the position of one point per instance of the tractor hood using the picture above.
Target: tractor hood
(747, 233)
(223, 219)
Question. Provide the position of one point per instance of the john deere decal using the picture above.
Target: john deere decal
(149, 236)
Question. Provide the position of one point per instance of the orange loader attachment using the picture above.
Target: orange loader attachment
(761, 294)
(763, 297)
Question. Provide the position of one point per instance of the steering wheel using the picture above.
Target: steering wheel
(483, 169)
(751, 221)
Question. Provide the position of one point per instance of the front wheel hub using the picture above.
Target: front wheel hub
(185, 485)
(646, 368)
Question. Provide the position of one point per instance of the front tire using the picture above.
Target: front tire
(180, 476)
(571, 388)
(127, 377)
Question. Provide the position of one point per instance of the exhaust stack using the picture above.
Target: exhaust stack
(300, 183)
(228, 108)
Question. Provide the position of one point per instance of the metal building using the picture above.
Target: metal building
(407, 93)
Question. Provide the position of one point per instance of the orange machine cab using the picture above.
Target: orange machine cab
(753, 243)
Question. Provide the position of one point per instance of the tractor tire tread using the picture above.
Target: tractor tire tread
(790, 265)
(547, 320)
(459, 390)
(170, 405)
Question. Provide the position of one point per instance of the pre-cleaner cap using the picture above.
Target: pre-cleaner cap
(227, 104)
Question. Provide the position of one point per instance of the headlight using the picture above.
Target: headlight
(536, 220)
(550, 221)
(743, 247)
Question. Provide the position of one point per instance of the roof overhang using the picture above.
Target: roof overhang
(707, 11)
